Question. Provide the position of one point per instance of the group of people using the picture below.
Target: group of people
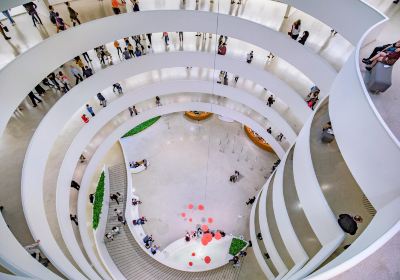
(141, 221)
(135, 164)
(295, 30)
(234, 177)
(115, 230)
(149, 244)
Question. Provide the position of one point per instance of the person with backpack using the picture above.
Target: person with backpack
(102, 99)
(52, 15)
(222, 49)
(61, 25)
(73, 15)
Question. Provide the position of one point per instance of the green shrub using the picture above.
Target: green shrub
(237, 245)
(98, 201)
(141, 127)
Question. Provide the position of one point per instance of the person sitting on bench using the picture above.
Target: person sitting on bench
(388, 57)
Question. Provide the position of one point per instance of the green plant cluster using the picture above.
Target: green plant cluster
(141, 127)
(237, 245)
(98, 201)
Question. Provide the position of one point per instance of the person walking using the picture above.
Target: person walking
(130, 111)
(86, 57)
(269, 130)
(102, 99)
(52, 15)
(249, 58)
(73, 15)
(79, 62)
(52, 78)
(270, 100)
(251, 200)
(166, 38)
(295, 30)
(74, 218)
(90, 110)
(40, 90)
(3, 30)
(34, 98)
(149, 37)
(180, 33)
(115, 198)
(138, 53)
(75, 185)
(64, 80)
(6, 13)
(135, 5)
(75, 72)
(134, 110)
(279, 137)
(118, 47)
(31, 7)
(91, 198)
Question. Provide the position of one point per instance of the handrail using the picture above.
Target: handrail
(17, 260)
(78, 95)
(46, 56)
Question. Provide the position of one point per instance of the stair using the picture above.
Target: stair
(132, 261)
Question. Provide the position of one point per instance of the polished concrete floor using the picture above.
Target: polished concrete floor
(15, 140)
(341, 191)
(268, 13)
(188, 165)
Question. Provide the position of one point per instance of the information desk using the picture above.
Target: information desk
(259, 141)
(197, 115)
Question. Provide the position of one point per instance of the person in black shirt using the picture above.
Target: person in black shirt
(31, 9)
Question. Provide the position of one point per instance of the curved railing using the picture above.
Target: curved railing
(46, 56)
(17, 260)
(75, 102)
(131, 122)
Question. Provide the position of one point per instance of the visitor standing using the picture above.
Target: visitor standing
(34, 98)
(249, 57)
(118, 47)
(102, 99)
(166, 38)
(295, 30)
(6, 13)
(31, 7)
(90, 110)
(270, 100)
(115, 4)
(75, 72)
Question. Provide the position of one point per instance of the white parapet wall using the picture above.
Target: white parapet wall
(46, 56)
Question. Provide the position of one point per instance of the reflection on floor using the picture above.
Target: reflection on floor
(338, 185)
(190, 163)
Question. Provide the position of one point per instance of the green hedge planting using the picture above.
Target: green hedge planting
(98, 201)
(141, 127)
(237, 245)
